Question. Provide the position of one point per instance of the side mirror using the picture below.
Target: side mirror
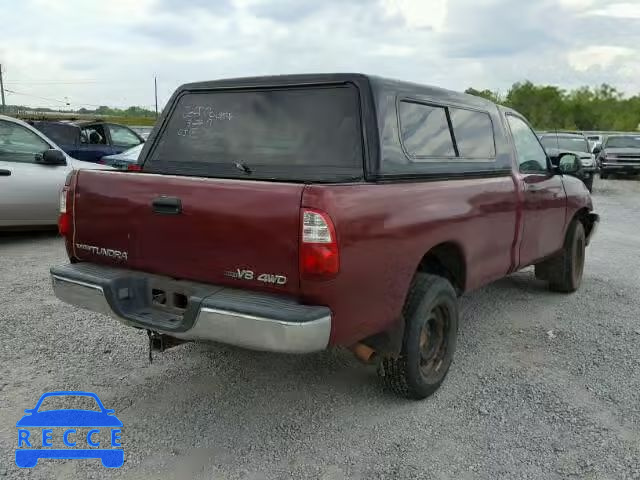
(52, 157)
(569, 164)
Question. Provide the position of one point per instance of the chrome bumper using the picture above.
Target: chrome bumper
(234, 317)
(258, 333)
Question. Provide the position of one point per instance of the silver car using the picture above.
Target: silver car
(32, 173)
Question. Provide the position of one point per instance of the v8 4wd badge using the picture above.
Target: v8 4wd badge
(242, 274)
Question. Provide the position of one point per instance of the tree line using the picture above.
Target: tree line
(132, 111)
(546, 107)
(586, 108)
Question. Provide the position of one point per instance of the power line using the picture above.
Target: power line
(79, 82)
(66, 102)
(36, 96)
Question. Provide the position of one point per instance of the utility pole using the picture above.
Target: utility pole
(155, 84)
(2, 91)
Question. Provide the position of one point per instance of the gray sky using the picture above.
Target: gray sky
(107, 52)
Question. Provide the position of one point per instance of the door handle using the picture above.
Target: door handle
(167, 205)
(534, 189)
(5, 173)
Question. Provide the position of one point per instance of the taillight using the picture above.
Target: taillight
(134, 167)
(319, 256)
(65, 217)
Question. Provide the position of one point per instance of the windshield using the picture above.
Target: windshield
(623, 142)
(571, 143)
(297, 134)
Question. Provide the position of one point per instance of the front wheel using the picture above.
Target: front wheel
(431, 328)
(565, 271)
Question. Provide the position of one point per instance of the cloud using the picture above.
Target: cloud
(120, 45)
(498, 28)
(600, 56)
(618, 10)
(167, 33)
(431, 14)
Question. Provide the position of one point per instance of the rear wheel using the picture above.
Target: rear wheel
(431, 316)
(564, 272)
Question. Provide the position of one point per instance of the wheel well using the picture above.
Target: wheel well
(446, 260)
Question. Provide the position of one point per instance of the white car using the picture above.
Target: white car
(33, 170)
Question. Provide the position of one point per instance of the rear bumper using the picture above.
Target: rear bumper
(236, 317)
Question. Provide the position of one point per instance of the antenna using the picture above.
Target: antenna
(155, 84)
(4, 107)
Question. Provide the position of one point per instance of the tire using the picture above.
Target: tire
(430, 331)
(565, 271)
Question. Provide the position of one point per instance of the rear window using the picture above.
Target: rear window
(301, 134)
(61, 134)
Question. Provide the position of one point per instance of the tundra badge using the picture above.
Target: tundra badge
(104, 252)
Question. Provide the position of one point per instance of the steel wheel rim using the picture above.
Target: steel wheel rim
(434, 340)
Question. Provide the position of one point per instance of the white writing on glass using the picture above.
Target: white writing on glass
(199, 116)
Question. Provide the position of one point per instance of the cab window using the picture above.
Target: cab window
(425, 131)
(18, 144)
(531, 156)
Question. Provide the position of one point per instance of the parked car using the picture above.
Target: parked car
(33, 170)
(122, 160)
(90, 141)
(322, 210)
(577, 143)
(620, 154)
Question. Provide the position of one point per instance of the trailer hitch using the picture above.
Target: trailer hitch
(160, 342)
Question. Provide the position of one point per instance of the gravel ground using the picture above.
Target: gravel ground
(543, 385)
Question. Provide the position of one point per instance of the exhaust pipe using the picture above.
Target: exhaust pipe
(363, 352)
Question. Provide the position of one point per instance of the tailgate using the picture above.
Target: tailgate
(226, 232)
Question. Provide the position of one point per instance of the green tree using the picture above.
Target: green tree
(585, 108)
(488, 94)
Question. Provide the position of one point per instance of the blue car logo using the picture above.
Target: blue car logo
(41, 432)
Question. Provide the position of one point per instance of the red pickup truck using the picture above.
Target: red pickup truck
(296, 213)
